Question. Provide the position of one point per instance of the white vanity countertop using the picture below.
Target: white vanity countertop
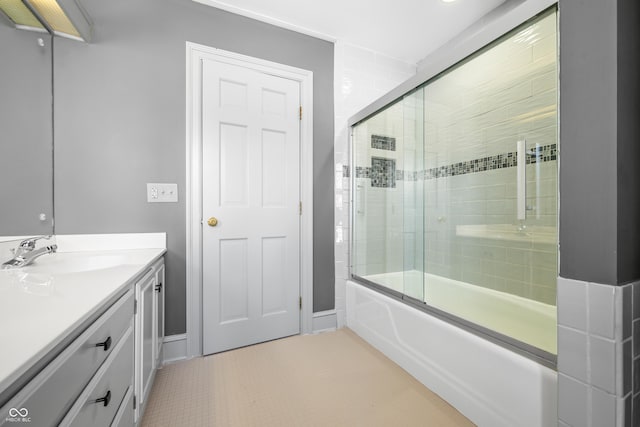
(43, 303)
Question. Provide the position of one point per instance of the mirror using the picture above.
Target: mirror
(26, 132)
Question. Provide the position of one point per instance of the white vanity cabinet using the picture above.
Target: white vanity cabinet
(149, 333)
(88, 381)
(82, 348)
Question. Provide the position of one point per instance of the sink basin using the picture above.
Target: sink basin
(64, 263)
(30, 283)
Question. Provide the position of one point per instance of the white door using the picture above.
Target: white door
(251, 186)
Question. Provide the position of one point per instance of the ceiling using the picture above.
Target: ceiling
(403, 29)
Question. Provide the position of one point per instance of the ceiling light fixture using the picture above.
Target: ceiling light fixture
(448, 1)
(64, 18)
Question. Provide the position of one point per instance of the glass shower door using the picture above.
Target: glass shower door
(413, 224)
(455, 191)
(491, 187)
(379, 201)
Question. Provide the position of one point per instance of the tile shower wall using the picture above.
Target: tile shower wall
(381, 197)
(598, 354)
(388, 220)
(361, 76)
(521, 268)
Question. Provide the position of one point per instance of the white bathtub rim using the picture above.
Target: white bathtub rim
(441, 373)
(443, 381)
(530, 303)
(531, 352)
(544, 313)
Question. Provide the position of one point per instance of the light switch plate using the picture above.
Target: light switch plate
(162, 193)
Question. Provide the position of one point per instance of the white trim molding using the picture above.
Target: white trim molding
(325, 321)
(268, 19)
(195, 54)
(174, 348)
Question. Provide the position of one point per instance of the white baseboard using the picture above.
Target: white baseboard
(174, 348)
(324, 321)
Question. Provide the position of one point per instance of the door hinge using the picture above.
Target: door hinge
(300, 210)
(135, 306)
(134, 401)
(300, 303)
(301, 112)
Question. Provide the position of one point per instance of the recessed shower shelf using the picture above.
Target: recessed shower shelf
(510, 232)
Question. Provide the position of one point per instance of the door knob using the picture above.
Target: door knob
(212, 221)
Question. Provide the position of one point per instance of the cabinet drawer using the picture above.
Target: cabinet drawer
(48, 397)
(99, 402)
(124, 416)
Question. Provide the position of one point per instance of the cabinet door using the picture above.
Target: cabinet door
(145, 337)
(159, 309)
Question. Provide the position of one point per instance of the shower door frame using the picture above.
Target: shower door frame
(506, 18)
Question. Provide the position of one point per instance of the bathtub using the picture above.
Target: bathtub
(490, 385)
(529, 321)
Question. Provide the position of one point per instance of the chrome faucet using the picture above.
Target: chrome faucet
(26, 253)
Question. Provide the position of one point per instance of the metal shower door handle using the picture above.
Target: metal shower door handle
(522, 180)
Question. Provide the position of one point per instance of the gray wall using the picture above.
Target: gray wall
(598, 321)
(120, 123)
(628, 140)
(599, 177)
(25, 132)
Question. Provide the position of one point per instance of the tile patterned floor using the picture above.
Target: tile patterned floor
(330, 379)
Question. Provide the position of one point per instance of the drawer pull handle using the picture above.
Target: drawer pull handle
(106, 345)
(159, 287)
(106, 399)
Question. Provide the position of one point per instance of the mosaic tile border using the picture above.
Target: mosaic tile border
(363, 171)
(541, 154)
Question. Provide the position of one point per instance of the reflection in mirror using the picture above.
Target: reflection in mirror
(26, 132)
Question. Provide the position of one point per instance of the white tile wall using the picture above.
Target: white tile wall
(489, 197)
(361, 76)
(386, 232)
(598, 359)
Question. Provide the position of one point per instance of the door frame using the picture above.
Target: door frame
(196, 53)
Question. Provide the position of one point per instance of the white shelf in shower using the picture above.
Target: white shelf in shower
(509, 232)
